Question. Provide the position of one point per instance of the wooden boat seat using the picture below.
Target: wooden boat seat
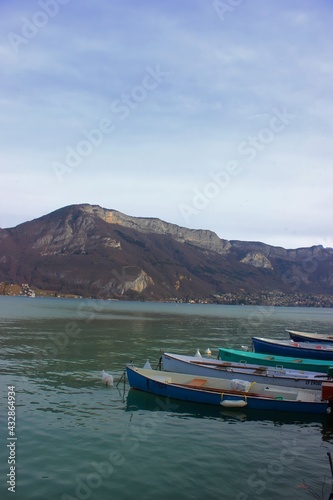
(260, 370)
(197, 382)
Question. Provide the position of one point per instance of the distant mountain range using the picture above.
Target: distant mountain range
(95, 252)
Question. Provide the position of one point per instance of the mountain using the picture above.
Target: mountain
(94, 252)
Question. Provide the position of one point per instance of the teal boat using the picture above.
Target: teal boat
(239, 356)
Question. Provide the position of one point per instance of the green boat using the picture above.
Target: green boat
(239, 356)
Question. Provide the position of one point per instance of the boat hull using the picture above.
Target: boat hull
(313, 365)
(292, 349)
(310, 337)
(253, 373)
(162, 384)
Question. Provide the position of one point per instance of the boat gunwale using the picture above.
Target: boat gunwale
(264, 371)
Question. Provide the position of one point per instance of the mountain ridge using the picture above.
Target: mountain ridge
(99, 252)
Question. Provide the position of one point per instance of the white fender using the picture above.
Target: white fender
(233, 403)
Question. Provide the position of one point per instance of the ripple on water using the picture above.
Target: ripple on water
(69, 423)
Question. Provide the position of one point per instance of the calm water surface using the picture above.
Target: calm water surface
(77, 439)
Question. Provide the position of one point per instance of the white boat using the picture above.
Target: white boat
(205, 367)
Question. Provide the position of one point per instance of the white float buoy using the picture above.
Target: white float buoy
(233, 403)
(147, 365)
(198, 354)
(208, 352)
(107, 379)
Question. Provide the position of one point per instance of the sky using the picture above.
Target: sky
(207, 114)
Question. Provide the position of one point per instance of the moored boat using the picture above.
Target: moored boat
(314, 365)
(291, 348)
(230, 393)
(254, 373)
(145, 401)
(310, 337)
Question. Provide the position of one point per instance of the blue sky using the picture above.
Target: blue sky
(207, 114)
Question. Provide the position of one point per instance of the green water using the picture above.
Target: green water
(77, 439)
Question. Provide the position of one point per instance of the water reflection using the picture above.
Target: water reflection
(142, 401)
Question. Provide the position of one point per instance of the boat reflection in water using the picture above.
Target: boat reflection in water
(147, 402)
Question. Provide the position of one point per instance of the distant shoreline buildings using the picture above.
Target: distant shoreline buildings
(270, 298)
(26, 291)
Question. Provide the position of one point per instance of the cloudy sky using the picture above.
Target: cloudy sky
(207, 114)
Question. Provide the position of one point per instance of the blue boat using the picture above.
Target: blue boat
(290, 348)
(310, 337)
(144, 401)
(230, 393)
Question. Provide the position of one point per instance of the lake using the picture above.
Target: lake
(75, 438)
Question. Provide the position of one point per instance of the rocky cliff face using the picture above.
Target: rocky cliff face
(257, 259)
(201, 238)
(93, 251)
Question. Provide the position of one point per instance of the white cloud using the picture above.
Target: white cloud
(225, 79)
